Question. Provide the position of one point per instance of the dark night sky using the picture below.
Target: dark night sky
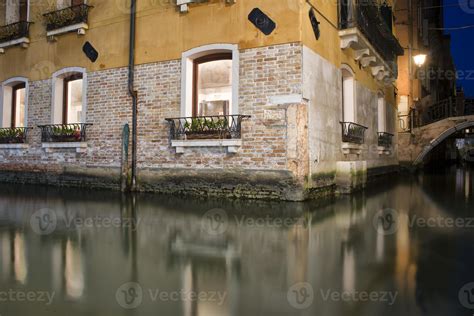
(462, 45)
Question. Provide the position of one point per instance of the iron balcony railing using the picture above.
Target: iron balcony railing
(367, 17)
(14, 135)
(14, 31)
(206, 127)
(385, 139)
(66, 17)
(64, 132)
(353, 133)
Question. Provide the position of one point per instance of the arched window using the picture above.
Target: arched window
(348, 95)
(210, 80)
(14, 103)
(69, 96)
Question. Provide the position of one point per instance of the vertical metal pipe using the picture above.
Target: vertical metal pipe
(131, 90)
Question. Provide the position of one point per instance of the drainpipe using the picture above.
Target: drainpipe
(132, 92)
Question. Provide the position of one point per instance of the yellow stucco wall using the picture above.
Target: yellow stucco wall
(328, 46)
(163, 34)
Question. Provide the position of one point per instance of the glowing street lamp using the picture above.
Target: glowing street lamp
(420, 59)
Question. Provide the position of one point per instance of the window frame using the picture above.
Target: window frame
(57, 86)
(187, 73)
(66, 81)
(199, 61)
(15, 88)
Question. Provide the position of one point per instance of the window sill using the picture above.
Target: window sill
(23, 42)
(80, 28)
(232, 145)
(80, 147)
(351, 148)
(14, 146)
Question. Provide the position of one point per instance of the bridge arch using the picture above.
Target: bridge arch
(435, 142)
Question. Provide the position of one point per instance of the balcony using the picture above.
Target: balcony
(385, 139)
(14, 34)
(71, 19)
(64, 136)
(14, 138)
(363, 29)
(353, 136)
(206, 131)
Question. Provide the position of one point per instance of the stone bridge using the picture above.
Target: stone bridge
(414, 146)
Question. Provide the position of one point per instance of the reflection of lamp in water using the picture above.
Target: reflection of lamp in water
(73, 273)
(19, 263)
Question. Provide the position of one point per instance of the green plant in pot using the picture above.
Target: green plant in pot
(201, 128)
(12, 136)
(66, 133)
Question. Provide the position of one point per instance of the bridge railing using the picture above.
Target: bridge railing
(437, 112)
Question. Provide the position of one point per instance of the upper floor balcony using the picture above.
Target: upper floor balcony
(364, 29)
(71, 19)
(14, 34)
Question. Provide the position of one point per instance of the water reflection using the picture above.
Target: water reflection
(104, 240)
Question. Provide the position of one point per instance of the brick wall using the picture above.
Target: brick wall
(264, 73)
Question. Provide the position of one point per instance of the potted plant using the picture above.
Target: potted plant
(201, 128)
(12, 136)
(66, 134)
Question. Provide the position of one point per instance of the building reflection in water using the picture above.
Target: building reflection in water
(19, 257)
(73, 270)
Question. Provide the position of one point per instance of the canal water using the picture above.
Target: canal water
(404, 247)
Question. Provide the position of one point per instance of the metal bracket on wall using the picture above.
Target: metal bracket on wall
(184, 4)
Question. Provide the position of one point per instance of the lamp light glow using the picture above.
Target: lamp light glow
(420, 59)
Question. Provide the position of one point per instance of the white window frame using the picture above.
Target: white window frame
(348, 76)
(6, 100)
(187, 68)
(57, 94)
